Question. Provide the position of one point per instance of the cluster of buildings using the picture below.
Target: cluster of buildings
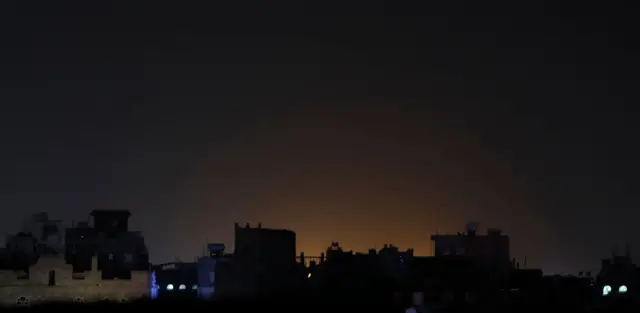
(94, 260)
(618, 276)
(100, 259)
(264, 260)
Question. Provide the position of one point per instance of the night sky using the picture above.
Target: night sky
(367, 123)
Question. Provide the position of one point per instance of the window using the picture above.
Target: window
(77, 270)
(52, 278)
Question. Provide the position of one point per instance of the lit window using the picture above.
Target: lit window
(182, 287)
(170, 287)
(606, 290)
(622, 289)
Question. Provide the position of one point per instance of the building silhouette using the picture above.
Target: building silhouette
(337, 270)
(491, 250)
(465, 268)
(94, 260)
(618, 276)
(174, 280)
(264, 261)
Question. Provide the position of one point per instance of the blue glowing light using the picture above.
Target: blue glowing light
(154, 286)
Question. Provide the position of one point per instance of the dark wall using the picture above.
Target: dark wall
(264, 259)
(267, 246)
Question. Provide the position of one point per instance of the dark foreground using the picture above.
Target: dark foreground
(338, 300)
(318, 303)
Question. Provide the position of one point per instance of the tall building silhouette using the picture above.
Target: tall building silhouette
(492, 249)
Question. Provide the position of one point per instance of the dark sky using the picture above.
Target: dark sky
(367, 123)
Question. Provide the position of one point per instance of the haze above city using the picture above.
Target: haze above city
(364, 126)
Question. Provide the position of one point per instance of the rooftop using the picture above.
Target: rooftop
(111, 212)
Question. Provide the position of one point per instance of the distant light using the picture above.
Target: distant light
(309, 275)
(606, 290)
(182, 287)
(622, 289)
(194, 287)
(154, 286)
(169, 287)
